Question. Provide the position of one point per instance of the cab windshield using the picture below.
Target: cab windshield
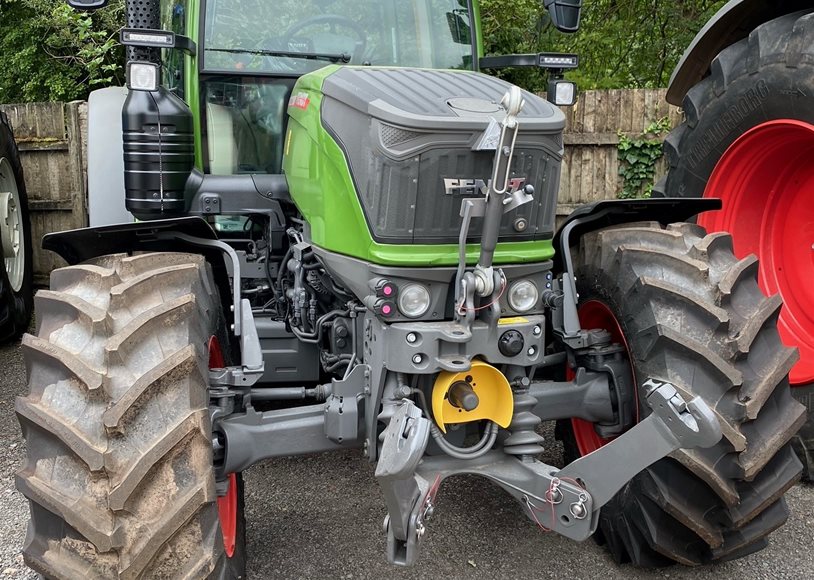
(293, 37)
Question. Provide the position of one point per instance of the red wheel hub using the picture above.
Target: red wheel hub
(766, 181)
(595, 314)
(227, 511)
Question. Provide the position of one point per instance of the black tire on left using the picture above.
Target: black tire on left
(119, 467)
(16, 305)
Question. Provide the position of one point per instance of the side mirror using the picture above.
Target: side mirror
(87, 4)
(564, 14)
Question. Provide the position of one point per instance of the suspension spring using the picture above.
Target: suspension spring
(524, 441)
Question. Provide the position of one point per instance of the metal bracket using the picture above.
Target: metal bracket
(404, 442)
(251, 363)
(674, 424)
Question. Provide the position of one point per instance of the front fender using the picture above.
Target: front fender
(612, 212)
(76, 246)
(733, 22)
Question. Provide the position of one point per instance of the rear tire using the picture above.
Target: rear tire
(119, 470)
(754, 85)
(693, 315)
(16, 293)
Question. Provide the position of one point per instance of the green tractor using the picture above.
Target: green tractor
(346, 240)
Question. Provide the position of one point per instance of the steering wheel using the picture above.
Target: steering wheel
(329, 19)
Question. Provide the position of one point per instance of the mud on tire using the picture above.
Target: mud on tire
(693, 315)
(119, 458)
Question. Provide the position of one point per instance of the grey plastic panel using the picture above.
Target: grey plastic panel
(399, 161)
(287, 359)
(105, 158)
(421, 98)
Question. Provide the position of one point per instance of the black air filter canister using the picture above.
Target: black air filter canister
(158, 153)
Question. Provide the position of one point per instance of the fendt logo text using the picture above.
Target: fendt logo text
(477, 186)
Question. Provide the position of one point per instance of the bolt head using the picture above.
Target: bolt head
(536, 330)
(417, 358)
(411, 337)
(532, 350)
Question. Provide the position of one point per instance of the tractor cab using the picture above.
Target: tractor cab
(247, 66)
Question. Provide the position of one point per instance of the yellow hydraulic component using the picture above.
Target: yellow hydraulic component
(482, 392)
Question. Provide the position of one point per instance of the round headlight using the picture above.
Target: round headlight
(414, 300)
(523, 296)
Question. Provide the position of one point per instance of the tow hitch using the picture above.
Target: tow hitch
(566, 501)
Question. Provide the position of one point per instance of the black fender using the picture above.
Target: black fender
(733, 22)
(75, 246)
(601, 214)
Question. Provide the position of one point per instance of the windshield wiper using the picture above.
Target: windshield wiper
(306, 55)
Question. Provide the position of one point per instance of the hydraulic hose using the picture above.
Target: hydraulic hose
(480, 448)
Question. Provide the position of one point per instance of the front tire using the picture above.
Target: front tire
(119, 471)
(748, 138)
(693, 315)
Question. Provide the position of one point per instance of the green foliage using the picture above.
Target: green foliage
(50, 52)
(638, 157)
(621, 43)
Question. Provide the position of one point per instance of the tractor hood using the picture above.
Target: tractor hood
(435, 100)
(403, 147)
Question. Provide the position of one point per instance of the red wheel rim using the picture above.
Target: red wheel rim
(216, 360)
(595, 314)
(766, 181)
(227, 512)
(227, 505)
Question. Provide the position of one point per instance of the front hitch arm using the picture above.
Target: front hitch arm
(674, 424)
(565, 501)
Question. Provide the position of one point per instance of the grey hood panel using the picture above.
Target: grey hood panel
(435, 99)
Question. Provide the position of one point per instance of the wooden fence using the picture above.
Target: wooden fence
(590, 169)
(53, 137)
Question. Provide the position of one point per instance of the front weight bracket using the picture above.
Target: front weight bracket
(674, 424)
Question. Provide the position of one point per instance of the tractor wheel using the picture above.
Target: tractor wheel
(16, 294)
(749, 140)
(690, 313)
(119, 472)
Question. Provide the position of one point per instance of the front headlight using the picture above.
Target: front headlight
(523, 295)
(414, 300)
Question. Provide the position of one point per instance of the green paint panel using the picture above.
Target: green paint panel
(321, 186)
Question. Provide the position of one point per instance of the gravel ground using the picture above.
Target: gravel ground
(320, 517)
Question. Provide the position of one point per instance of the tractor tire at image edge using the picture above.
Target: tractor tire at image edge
(16, 278)
(693, 315)
(119, 471)
(748, 138)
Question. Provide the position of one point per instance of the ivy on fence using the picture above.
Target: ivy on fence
(638, 157)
